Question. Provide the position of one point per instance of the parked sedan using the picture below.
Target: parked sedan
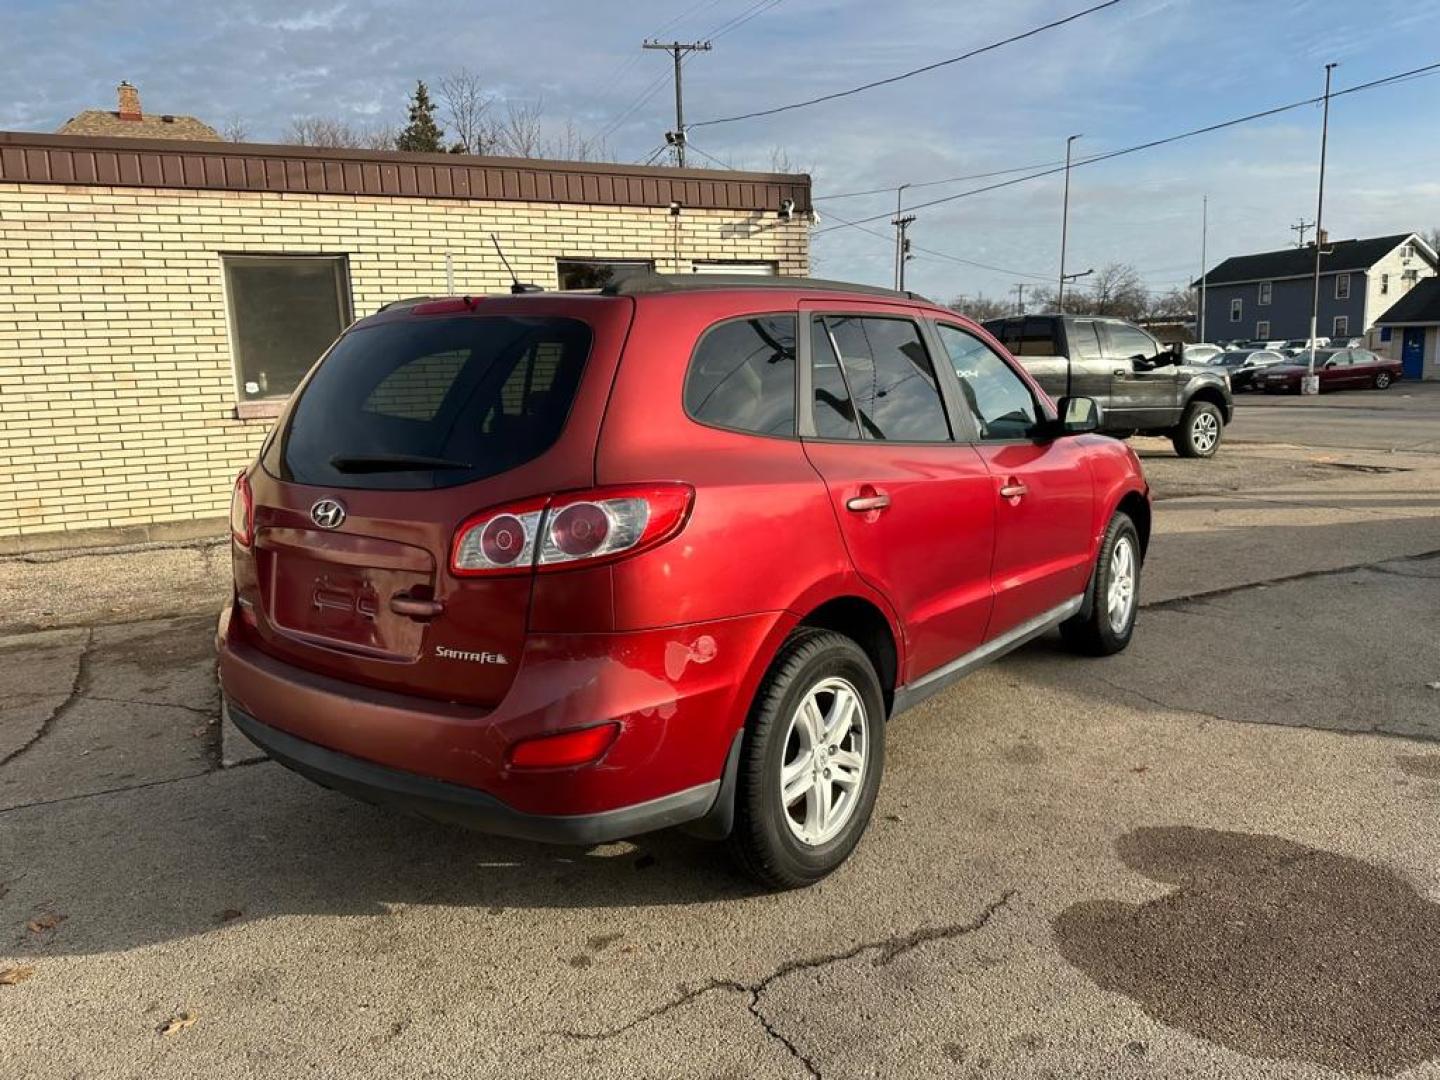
(1243, 364)
(1200, 353)
(1338, 369)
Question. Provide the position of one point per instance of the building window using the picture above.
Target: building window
(1342, 327)
(1237, 309)
(1262, 330)
(1265, 289)
(285, 311)
(749, 269)
(597, 273)
(1384, 284)
(1407, 252)
(1342, 286)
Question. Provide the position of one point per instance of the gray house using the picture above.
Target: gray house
(1268, 296)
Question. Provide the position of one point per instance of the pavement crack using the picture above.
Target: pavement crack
(208, 714)
(78, 686)
(886, 950)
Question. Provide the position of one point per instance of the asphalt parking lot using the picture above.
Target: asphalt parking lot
(1213, 855)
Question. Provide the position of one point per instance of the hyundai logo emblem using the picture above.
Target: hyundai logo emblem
(328, 514)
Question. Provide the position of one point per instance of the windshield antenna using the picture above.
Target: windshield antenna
(516, 285)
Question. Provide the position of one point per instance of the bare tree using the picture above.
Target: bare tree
(330, 132)
(1432, 237)
(234, 130)
(980, 307)
(463, 97)
(523, 132)
(1176, 305)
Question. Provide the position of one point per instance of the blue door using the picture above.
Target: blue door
(1412, 356)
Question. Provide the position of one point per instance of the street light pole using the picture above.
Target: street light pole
(1064, 228)
(1204, 237)
(1311, 384)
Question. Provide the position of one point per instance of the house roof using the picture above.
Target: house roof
(1341, 255)
(1420, 305)
(101, 122)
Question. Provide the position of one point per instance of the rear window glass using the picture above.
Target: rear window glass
(890, 378)
(427, 403)
(743, 376)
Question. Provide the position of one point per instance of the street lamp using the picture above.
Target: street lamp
(1310, 384)
(1064, 229)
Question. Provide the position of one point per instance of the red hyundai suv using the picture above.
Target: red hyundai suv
(576, 566)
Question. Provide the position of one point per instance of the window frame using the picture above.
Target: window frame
(1262, 330)
(1266, 294)
(733, 266)
(1335, 331)
(954, 396)
(810, 313)
(643, 264)
(1384, 284)
(1237, 309)
(1338, 279)
(796, 424)
(271, 405)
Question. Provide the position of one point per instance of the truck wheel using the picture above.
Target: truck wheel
(1114, 597)
(814, 752)
(1200, 431)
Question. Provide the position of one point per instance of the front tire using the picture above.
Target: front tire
(1382, 381)
(1200, 431)
(1107, 622)
(813, 757)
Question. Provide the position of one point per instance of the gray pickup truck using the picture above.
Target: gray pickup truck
(1141, 385)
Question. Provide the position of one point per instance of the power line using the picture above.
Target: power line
(1263, 114)
(758, 8)
(909, 74)
(934, 183)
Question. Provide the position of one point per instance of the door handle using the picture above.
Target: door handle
(868, 500)
(414, 607)
(1120, 373)
(1013, 489)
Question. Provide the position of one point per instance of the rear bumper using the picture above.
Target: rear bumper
(456, 805)
(679, 695)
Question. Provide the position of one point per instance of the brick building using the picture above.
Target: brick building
(159, 299)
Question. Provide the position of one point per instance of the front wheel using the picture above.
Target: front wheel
(1200, 431)
(1114, 597)
(814, 753)
(1382, 381)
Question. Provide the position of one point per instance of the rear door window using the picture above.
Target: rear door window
(1084, 340)
(834, 411)
(421, 403)
(1038, 339)
(742, 376)
(889, 376)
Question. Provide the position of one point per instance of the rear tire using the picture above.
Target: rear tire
(1107, 622)
(1200, 431)
(1382, 381)
(824, 677)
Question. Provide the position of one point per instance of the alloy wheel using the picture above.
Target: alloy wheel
(1120, 599)
(824, 762)
(1204, 432)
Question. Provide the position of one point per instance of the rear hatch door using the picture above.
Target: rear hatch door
(414, 422)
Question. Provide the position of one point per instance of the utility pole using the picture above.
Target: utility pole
(1204, 262)
(678, 49)
(899, 244)
(1020, 298)
(1064, 234)
(1310, 384)
(1302, 227)
(903, 248)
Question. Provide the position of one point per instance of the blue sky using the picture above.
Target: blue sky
(1141, 69)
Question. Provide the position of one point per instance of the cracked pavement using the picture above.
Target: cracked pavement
(1057, 880)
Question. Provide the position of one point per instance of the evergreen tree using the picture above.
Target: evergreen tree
(422, 134)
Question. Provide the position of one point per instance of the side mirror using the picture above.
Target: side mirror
(1078, 416)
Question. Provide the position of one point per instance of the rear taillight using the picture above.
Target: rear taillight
(242, 512)
(589, 526)
(565, 749)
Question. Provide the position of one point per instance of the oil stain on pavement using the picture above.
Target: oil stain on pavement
(1425, 766)
(1269, 948)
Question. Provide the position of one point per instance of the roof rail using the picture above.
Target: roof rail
(406, 300)
(643, 284)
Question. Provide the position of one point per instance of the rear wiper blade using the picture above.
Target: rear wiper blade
(369, 463)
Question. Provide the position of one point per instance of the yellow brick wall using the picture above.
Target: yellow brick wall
(117, 391)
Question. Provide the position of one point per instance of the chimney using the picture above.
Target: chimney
(1322, 237)
(129, 102)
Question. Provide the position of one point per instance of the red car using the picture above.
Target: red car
(576, 566)
(1339, 369)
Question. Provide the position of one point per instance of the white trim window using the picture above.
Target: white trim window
(1384, 284)
(1262, 330)
(1342, 286)
(725, 266)
(1237, 309)
(1266, 289)
(1341, 328)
